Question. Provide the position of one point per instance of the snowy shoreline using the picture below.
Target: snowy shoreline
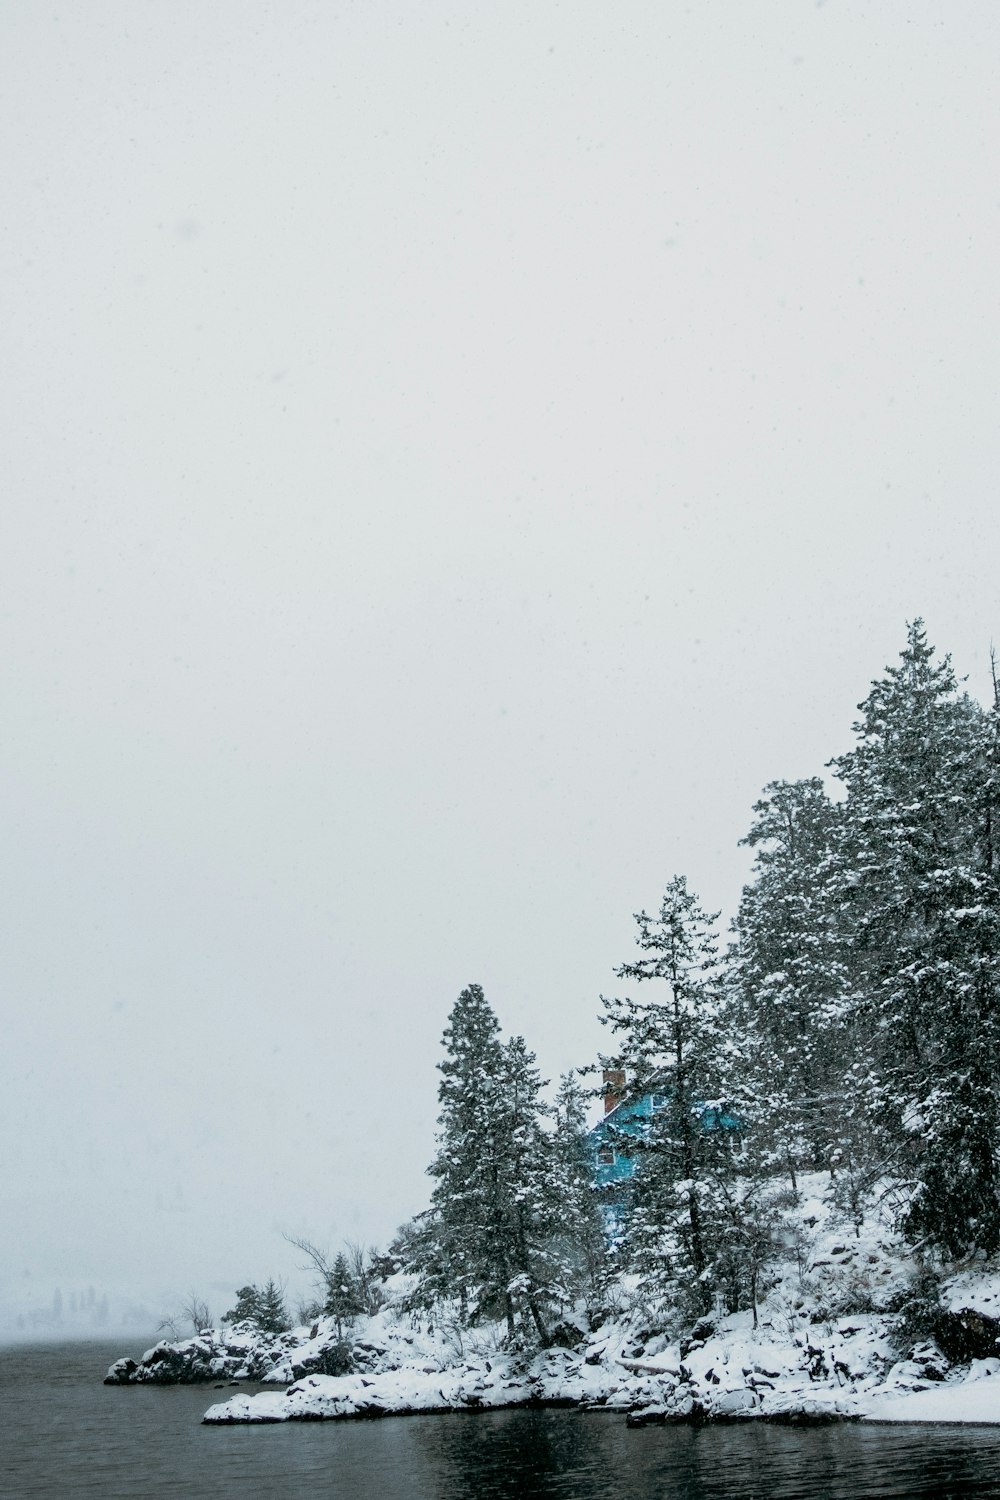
(842, 1370)
(728, 1378)
(827, 1345)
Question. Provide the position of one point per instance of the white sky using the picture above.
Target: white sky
(453, 456)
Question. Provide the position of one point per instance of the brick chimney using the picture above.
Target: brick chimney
(614, 1088)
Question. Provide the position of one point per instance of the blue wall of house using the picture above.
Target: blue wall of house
(630, 1120)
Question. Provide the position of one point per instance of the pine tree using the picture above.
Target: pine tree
(273, 1315)
(527, 1202)
(462, 1240)
(486, 1241)
(670, 1047)
(923, 897)
(247, 1309)
(343, 1301)
(789, 978)
(264, 1307)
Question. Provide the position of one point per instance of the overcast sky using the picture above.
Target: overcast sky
(453, 456)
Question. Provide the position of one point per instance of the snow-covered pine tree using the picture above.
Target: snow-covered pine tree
(461, 1237)
(528, 1201)
(247, 1308)
(343, 1300)
(987, 810)
(789, 981)
(273, 1315)
(669, 1046)
(486, 1242)
(264, 1307)
(923, 896)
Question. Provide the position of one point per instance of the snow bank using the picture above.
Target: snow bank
(472, 1386)
(730, 1372)
(974, 1398)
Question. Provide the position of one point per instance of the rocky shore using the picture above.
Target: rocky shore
(849, 1329)
(732, 1372)
(795, 1371)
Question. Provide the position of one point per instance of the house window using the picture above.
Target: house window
(606, 1156)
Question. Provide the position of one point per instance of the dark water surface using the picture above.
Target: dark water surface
(63, 1433)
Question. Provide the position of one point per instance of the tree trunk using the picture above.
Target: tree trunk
(543, 1337)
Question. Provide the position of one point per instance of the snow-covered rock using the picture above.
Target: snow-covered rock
(238, 1352)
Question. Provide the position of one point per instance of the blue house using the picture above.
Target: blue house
(613, 1160)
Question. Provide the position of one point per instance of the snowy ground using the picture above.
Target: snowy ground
(825, 1347)
(976, 1398)
(843, 1370)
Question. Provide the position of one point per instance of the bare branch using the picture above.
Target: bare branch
(319, 1259)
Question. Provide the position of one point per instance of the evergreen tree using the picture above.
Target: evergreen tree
(923, 898)
(670, 1047)
(247, 1309)
(273, 1315)
(987, 806)
(462, 1241)
(487, 1240)
(343, 1300)
(789, 979)
(527, 1201)
(264, 1307)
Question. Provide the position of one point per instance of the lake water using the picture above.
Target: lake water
(64, 1434)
